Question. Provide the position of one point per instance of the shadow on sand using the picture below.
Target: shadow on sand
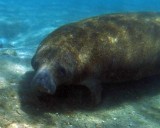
(68, 99)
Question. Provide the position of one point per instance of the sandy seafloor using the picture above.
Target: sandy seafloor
(22, 26)
(127, 105)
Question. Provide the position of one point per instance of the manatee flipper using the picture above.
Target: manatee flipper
(95, 88)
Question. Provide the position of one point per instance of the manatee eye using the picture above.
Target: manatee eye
(60, 70)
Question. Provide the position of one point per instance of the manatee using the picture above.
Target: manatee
(111, 48)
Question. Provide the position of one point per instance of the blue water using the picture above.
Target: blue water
(23, 24)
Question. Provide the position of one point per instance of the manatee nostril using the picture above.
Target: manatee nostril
(43, 82)
(42, 79)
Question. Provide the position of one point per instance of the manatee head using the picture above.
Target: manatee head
(53, 67)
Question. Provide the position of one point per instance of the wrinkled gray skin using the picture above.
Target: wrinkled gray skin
(109, 48)
(44, 81)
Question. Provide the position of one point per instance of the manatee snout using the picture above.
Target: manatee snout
(43, 81)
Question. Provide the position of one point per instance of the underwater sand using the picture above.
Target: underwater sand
(128, 105)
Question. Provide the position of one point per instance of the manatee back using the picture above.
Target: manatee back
(113, 47)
